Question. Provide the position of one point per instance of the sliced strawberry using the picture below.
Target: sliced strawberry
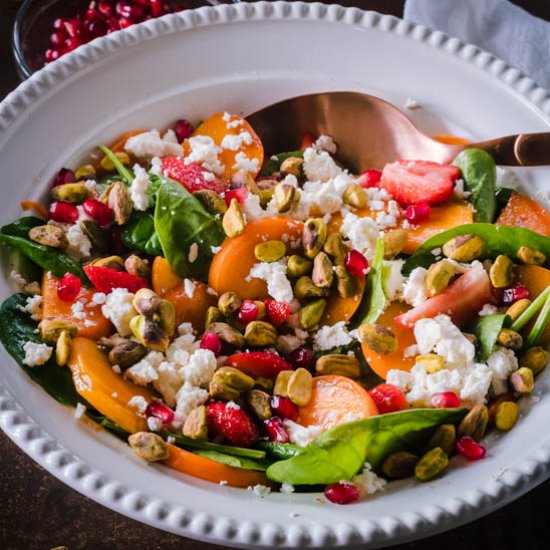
(277, 311)
(232, 424)
(389, 398)
(461, 300)
(106, 279)
(191, 176)
(417, 181)
(259, 363)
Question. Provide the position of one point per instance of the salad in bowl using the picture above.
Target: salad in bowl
(282, 323)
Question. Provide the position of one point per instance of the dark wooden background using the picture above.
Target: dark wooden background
(38, 512)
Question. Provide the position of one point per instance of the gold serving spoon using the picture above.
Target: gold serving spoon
(371, 132)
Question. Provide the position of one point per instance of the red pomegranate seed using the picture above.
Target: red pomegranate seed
(183, 129)
(275, 430)
(106, 8)
(92, 14)
(248, 312)
(72, 43)
(98, 211)
(59, 24)
(445, 400)
(64, 176)
(132, 12)
(370, 178)
(343, 492)
(284, 407)
(72, 26)
(159, 410)
(57, 38)
(210, 340)
(52, 54)
(157, 8)
(417, 213)
(301, 358)
(116, 240)
(240, 194)
(98, 28)
(63, 212)
(469, 448)
(356, 264)
(114, 25)
(68, 287)
(514, 293)
(124, 22)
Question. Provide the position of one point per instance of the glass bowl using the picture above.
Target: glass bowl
(33, 27)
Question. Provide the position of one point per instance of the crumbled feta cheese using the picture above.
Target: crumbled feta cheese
(234, 142)
(414, 290)
(200, 368)
(188, 398)
(319, 165)
(119, 310)
(150, 144)
(139, 403)
(488, 309)
(154, 424)
(36, 354)
(79, 245)
(329, 337)
(502, 363)
(215, 249)
(156, 166)
(475, 383)
(17, 279)
(394, 281)
(98, 299)
(116, 369)
(171, 440)
(368, 482)
(79, 411)
(300, 435)
(223, 482)
(325, 143)
(78, 311)
(410, 351)
(145, 371)
(33, 306)
(260, 490)
(412, 104)
(205, 152)
(189, 287)
(242, 162)
(459, 192)
(287, 488)
(362, 233)
(274, 274)
(193, 252)
(139, 189)
(233, 405)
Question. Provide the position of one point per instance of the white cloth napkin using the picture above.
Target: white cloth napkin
(497, 26)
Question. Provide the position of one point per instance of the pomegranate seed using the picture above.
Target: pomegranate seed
(63, 212)
(52, 54)
(159, 410)
(72, 26)
(129, 11)
(64, 176)
(106, 8)
(469, 448)
(157, 8)
(284, 407)
(98, 211)
(98, 28)
(445, 400)
(240, 194)
(417, 213)
(59, 24)
(183, 129)
(72, 43)
(514, 293)
(342, 492)
(356, 264)
(68, 288)
(58, 38)
(248, 312)
(116, 240)
(114, 25)
(92, 14)
(370, 178)
(301, 358)
(275, 430)
(210, 340)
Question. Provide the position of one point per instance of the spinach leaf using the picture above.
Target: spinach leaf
(187, 442)
(17, 328)
(139, 234)
(235, 461)
(341, 452)
(273, 165)
(21, 227)
(180, 222)
(499, 239)
(126, 174)
(487, 328)
(502, 195)
(479, 175)
(280, 451)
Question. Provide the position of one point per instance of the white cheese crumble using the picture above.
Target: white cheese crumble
(79, 411)
(368, 482)
(200, 368)
(411, 104)
(242, 162)
(150, 144)
(205, 152)
(233, 405)
(79, 245)
(287, 488)
(189, 287)
(502, 363)
(119, 310)
(78, 311)
(193, 253)
(139, 403)
(260, 490)
(189, 397)
(17, 279)
(394, 281)
(362, 233)
(156, 166)
(154, 424)
(98, 299)
(488, 309)
(329, 337)
(300, 435)
(414, 290)
(33, 306)
(319, 165)
(145, 370)
(234, 142)
(139, 189)
(325, 143)
(274, 274)
(36, 354)
(459, 192)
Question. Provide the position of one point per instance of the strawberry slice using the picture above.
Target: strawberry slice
(231, 423)
(461, 300)
(106, 279)
(417, 181)
(191, 176)
(259, 363)
(277, 312)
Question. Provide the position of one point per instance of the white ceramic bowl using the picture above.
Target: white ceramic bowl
(239, 58)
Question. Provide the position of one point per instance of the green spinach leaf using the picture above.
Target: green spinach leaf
(21, 227)
(187, 442)
(182, 222)
(273, 165)
(280, 451)
(487, 328)
(139, 234)
(341, 452)
(235, 461)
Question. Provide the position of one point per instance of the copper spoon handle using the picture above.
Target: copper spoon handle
(518, 150)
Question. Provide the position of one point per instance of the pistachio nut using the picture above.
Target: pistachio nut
(227, 334)
(127, 353)
(229, 303)
(70, 192)
(297, 266)
(517, 308)
(99, 237)
(506, 415)
(439, 276)
(334, 247)
(63, 348)
(146, 301)
(213, 315)
(149, 446)
(51, 328)
(112, 262)
(260, 403)
(444, 437)
(149, 333)
(260, 333)
(314, 235)
(261, 310)
(167, 316)
(120, 203)
(431, 362)
(431, 464)
(86, 171)
(345, 282)
(355, 195)
(49, 235)
(394, 242)
(270, 251)
(323, 273)
(195, 425)
(379, 338)
(522, 381)
(107, 164)
(220, 390)
(211, 201)
(292, 165)
(510, 339)
(310, 314)
(281, 383)
(228, 383)
(233, 220)
(135, 265)
(242, 178)
(399, 465)
(305, 288)
(464, 248)
(264, 384)
(507, 396)
(339, 364)
(286, 196)
(265, 196)
(300, 386)
(535, 359)
(474, 424)
(530, 256)
(502, 272)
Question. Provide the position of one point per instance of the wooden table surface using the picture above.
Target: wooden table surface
(39, 512)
